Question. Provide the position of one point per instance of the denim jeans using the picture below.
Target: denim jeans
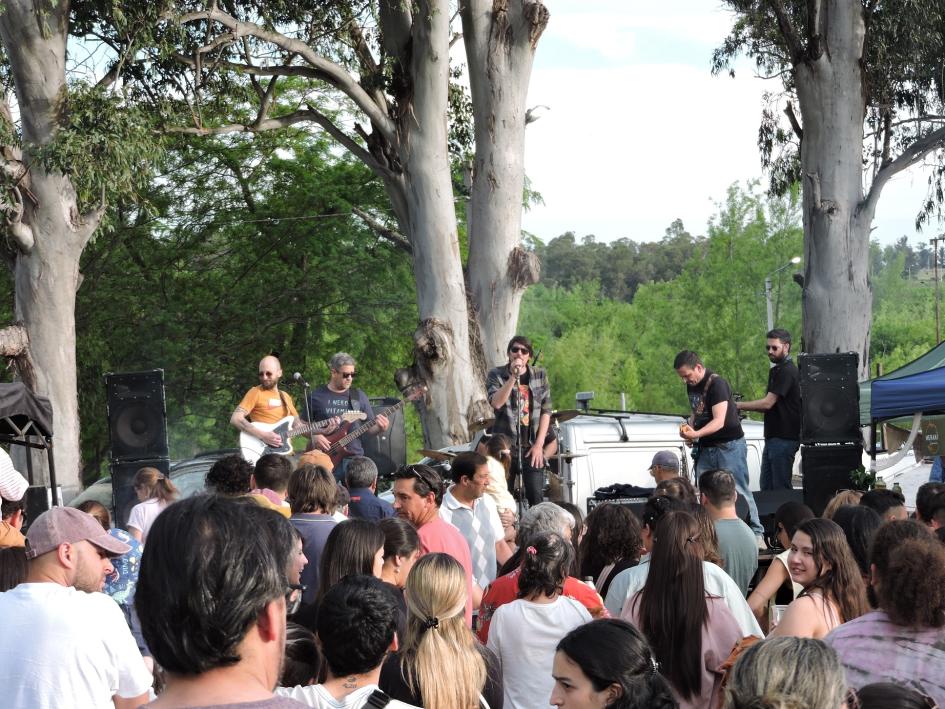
(733, 457)
(777, 463)
(936, 474)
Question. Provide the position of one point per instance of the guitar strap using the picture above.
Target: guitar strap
(285, 406)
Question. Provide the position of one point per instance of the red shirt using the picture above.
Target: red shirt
(440, 535)
(505, 590)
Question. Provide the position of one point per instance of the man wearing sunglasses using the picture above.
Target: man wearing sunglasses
(782, 410)
(337, 397)
(521, 397)
(264, 403)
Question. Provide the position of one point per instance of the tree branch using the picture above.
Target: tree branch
(814, 35)
(909, 157)
(792, 117)
(788, 32)
(393, 236)
(327, 70)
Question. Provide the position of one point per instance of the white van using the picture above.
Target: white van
(617, 448)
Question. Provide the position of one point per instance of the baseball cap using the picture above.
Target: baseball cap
(67, 525)
(665, 459)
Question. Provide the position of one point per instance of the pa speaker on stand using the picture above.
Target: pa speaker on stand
(137, 428)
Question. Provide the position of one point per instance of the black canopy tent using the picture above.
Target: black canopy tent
(26, 420)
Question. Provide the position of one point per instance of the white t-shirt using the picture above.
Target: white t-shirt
(317, 696)
(524, 636)
(64, 647)
(143, 515)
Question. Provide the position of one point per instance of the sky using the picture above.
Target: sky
(639, 132)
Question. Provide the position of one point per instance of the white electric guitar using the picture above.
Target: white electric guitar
(253, 449)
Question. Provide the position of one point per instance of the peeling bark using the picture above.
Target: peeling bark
(500, 38)
(47, 276)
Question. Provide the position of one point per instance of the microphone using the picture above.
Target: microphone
(298, 378)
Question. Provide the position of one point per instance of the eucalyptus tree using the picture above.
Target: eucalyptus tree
(376, 77)
(65, 151)
(866, 78)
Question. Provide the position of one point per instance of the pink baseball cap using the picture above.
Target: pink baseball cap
(67, 525)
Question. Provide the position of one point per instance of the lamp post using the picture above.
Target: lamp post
(793, 262)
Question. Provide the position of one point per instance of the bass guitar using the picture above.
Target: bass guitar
(253, 449)
(340, 439)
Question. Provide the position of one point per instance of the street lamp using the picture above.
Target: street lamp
(793, 262)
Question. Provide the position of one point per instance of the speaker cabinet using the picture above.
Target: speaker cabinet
(825, 470)
(830, 398)
(389, 449)
(124, 496)
(137, 419)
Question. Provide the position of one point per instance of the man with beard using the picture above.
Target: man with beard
(782, 410)
(264, 403)
(67, 644)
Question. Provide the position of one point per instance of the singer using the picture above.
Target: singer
(264, 403)
(338, 397)
(521, 397)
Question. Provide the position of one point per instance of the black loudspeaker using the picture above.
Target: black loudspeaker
(830, 398)
(825, 470)
(768, 502)
(124, 496)
(137, 419)
(389, 449)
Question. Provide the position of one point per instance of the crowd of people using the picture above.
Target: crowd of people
(271, 590)
(293, 583)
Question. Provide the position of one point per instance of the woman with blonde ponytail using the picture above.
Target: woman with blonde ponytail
(440, 663)
(155, 492)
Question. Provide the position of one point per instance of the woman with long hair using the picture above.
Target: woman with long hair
(498, 452)
(525, 632)
(440, 664)
(786, 520)
(607, 664)
(155, 492)
(613, 542)
(859, 524)
(401, 550)
(353, 547)
(821, 562)
(786, 673)
(691, 632)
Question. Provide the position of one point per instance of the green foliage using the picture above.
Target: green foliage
(255, 251)
(104, 145)
(715, 305)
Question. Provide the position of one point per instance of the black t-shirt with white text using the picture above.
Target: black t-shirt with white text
(719, 391)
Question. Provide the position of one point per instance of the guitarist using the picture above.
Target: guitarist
(335, 398)
(264, 403)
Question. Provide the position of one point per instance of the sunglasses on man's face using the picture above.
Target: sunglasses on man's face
(519, 350)
(347, 375)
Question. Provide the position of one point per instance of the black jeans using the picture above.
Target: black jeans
(533, 479)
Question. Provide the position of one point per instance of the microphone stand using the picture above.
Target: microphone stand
(308, 414)
(520, 474)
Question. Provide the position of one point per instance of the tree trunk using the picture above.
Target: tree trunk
(444, 356)
(500, 40)
(837, 301)
(47, 276)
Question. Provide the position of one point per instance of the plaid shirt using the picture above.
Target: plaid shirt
(539, 400)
